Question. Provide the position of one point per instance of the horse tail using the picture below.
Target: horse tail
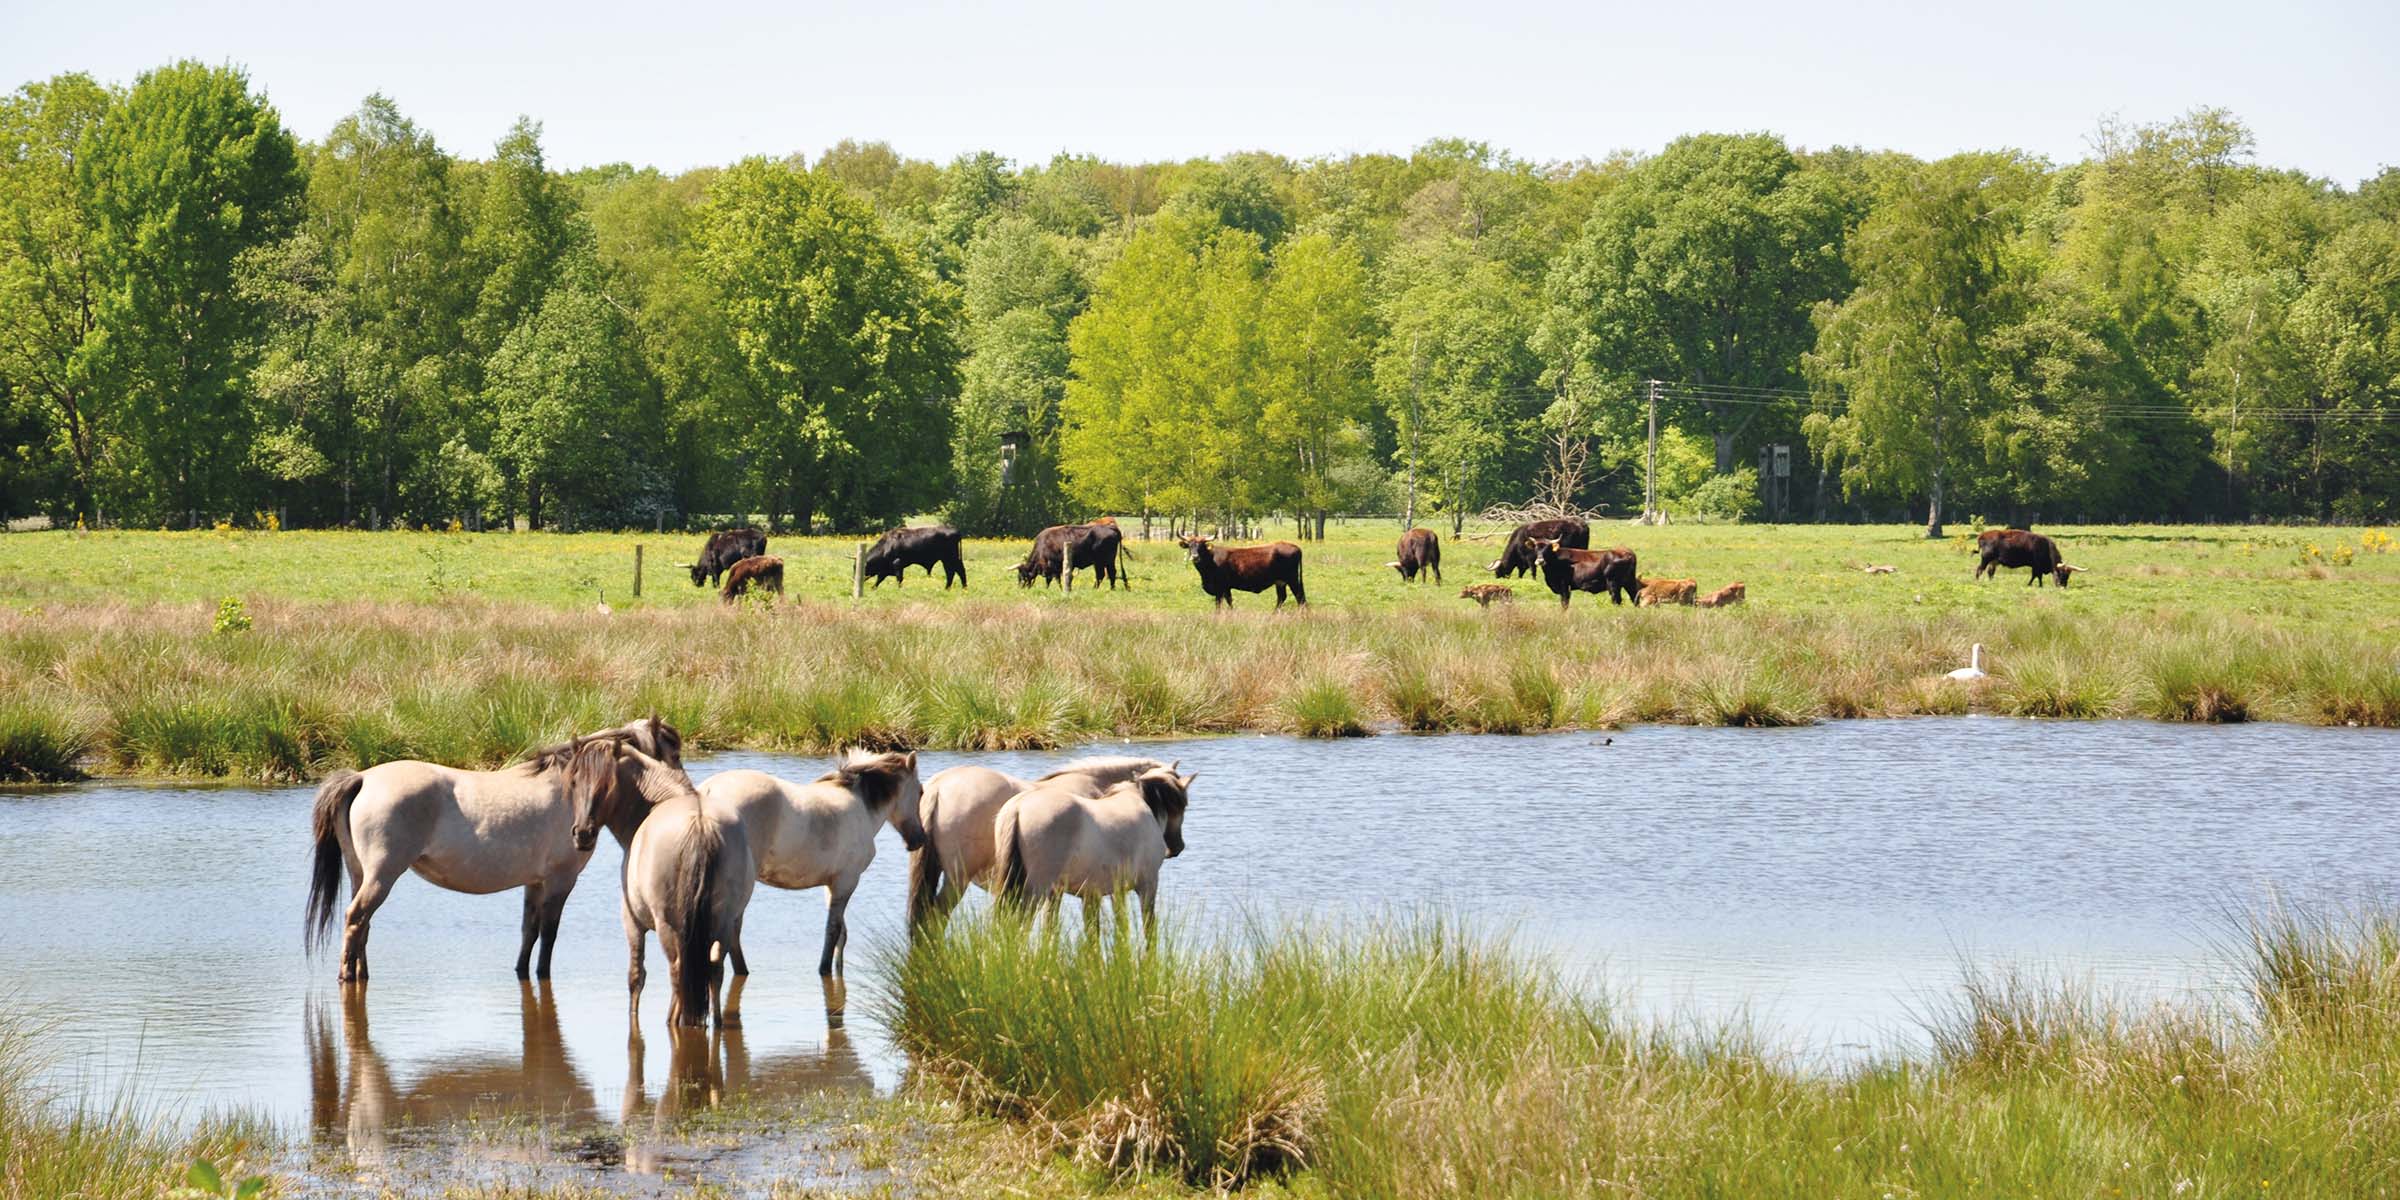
(325, 876)
(924, 881)
(697, 880)
(1012, 859)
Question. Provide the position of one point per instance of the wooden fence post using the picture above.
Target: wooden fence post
(858, 573)
(637, 570)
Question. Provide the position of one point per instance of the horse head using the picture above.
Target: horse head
(887, 781)
(595, 786)
(1168, 794)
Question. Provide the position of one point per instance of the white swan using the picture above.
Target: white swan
(1974, 668)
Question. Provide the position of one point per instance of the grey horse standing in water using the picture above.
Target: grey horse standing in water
(960, 804)
(688, 875)
(1054, 841)
(470, 831)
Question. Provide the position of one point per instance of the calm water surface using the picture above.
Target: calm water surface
(1821, 883)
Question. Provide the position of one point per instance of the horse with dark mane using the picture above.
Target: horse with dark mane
(469, 831)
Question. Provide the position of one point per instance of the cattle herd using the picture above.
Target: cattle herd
(1558, 551)
(694, 853)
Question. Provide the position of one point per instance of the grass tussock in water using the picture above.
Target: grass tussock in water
(1415, 1061)
(314, 687)
(52, 1148)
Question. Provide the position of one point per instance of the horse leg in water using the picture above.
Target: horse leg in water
(376, 876)
(837, 929)
(729, 1011)
(635, 975)
(531, 930)
(552, 909)
(1147, 890)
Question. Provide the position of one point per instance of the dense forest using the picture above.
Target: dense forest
(204, 317)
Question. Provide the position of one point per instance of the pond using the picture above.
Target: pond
(1821, 884)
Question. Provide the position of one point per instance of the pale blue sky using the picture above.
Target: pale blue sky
(681, 85)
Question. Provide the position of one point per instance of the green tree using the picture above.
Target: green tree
(1021, 292)
(522, 230)
(187, 174)
(846, 341)
(1162, 412)
(50, 281)
(566, 389)
(1317, 352)
(1457, 377)
(2347, 326)
(1700, 267)
(1908, 350)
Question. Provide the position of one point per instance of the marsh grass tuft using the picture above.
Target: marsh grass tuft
(40, 744)
(1325, 708)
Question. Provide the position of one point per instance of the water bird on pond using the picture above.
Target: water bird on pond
(1974, 668)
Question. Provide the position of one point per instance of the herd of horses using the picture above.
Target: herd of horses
(694, 853)
(1557, 550)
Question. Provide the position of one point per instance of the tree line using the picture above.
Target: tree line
(204, 317)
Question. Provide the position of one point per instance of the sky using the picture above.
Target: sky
(676, 86)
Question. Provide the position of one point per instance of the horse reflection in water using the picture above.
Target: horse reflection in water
(369, 1099)
(705, 1068)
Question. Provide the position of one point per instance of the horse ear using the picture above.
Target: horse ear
(1186, 781)
(911, 759)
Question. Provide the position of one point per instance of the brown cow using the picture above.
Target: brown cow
(1420, 550)
(763, 570)
(1669, 591)
(2013, 548)
(1569, 570)
(1224, 570)
(1484, 593)
(723, 549)
(1732, 593)
(1516, 557)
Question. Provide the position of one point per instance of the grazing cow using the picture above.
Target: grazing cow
(1732, 593)
(1568, 570)
(1484, 593)
(1669, 591)
(1247, 568)
(1516, 558)
(2013, 548)
(895, 552)
(1095, 545)
(725, 548)
(762, 570)
(1420, 550)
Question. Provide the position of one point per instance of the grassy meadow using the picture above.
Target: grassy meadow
(1416, 1061)
(120, 652)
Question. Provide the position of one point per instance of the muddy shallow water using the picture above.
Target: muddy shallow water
(1822, 883)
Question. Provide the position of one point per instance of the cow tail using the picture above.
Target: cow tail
(696, 969)
(325, 875)
(1011, 837)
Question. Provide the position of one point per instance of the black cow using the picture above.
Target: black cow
(1569, 570)
(2013, 548)
(725, 548)
(1420, 550)
(1096, 545)
(895, 552)
(1516, 558)
(1247, 568)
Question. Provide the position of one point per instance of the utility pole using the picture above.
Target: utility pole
(1650, 463)
(1416, 378)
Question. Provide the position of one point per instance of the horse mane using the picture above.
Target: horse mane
(872, 777)
(1102, 763)
(551, 758)
(1165, 797)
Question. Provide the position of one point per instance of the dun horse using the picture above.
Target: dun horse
(470, 831)
(1053, 841)
(688, 873)
(822, 834)
(959, 807)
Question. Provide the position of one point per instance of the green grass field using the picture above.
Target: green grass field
(347, 648)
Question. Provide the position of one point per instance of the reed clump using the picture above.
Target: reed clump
(50, 1146)
(1417, 1059)
(149, 689)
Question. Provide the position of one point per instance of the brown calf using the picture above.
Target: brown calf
(1669, 591)
(1484, 593)
(1731, 593)
(765, 571)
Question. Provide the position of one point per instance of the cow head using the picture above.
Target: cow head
(2063, 571)
(1194, 547)
(1026, 571)
(699, 574)
(1544, 549)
